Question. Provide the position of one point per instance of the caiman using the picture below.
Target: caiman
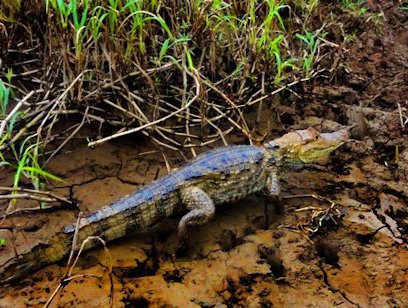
(221, 175)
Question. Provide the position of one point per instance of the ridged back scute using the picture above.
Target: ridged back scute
(222, 160)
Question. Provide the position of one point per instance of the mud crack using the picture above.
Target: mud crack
(381, 218)
(331, 288)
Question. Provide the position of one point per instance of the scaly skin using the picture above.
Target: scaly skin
(221, 175)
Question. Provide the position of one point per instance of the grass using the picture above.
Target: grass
(310, 44)
(355, 6)
(28, 165)
(4, 102)
(26, 156)
(4, 97)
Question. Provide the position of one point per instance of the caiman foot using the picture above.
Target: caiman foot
(277, 201)
(182, 246)
(272, 200)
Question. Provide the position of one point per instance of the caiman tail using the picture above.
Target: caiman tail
(134, 212)
(57, 247)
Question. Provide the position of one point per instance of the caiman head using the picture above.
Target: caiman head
(307, 146)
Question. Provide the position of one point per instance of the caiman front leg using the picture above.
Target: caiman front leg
(201, 208)
(273, 189)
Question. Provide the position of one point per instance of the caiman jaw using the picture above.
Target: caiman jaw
(322, 145)
(306, 146)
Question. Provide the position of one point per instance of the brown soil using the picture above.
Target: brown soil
(238, 259)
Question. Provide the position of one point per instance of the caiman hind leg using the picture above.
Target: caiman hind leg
(201, 208)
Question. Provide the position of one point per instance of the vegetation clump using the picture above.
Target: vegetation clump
(183, 73)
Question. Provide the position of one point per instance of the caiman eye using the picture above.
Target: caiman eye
(275, 147)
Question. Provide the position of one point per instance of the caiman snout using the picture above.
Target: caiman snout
(317, 148)
(341, 136)
(306, 146)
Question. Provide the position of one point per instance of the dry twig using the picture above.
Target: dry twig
(68, 277)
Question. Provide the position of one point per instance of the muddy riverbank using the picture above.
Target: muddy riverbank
(357, 258)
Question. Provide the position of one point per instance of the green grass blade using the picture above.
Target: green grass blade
(163, 50)
(43, 173)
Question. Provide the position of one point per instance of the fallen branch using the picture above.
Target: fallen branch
(26, 196)
(37, 192)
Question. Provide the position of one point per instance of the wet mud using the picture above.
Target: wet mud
(253, 253)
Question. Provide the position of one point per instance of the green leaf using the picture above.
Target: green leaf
(302, 37)
(4, 97)
(163, 49)
(189, 59)
(84, 13)
(9, 74)
(61, 6)
(128, 4)
(22, 161)
(74, 8)
(75, 14)
(13, 120)
(43, 173)
(163, 24)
